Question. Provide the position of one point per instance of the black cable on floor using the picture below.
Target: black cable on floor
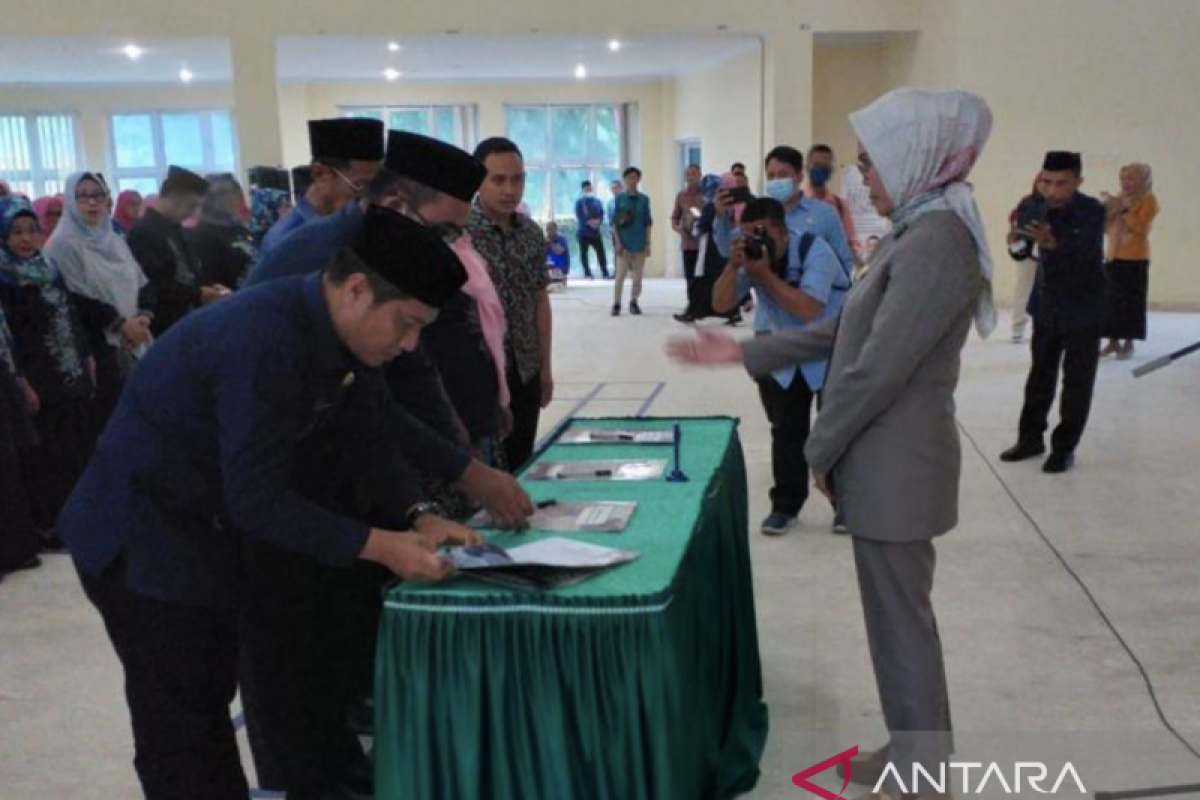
(1087, 592)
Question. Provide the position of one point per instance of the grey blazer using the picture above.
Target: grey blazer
(887, 433)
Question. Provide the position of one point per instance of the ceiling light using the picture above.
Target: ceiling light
(391, 74)
(132, 52)
(580, 71)
(394, 47)
(186, 75)
(614, 45)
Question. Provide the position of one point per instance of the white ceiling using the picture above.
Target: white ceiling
(90, 60)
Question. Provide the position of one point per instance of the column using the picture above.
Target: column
(788, 88)
(256, 96)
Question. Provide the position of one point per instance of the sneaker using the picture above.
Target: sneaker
(839, 524)
(635, 309)
(1058, 462)
(777, 524)
(616, 311)
(1022, 451)
(686, 319)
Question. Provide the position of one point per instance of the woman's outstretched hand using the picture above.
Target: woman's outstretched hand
(706, 348)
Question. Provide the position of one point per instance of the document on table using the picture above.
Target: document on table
(547, 564)
(614, 470)
(595, 516)
(575, 435)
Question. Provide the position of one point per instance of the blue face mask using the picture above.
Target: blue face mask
(819, 176)
(781, 189)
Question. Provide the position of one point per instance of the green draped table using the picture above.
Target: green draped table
(641, 682)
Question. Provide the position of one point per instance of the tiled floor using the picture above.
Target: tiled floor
(1029, 592)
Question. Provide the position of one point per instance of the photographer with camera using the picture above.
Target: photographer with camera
(1068, 306)
(797, 279)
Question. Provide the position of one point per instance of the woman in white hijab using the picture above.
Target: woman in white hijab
(102, 273)
(885, 445)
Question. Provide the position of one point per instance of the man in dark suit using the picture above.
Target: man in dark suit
(1068, 306)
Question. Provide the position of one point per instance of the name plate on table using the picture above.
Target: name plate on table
(596, 517)
(614, 436)
(614, 470)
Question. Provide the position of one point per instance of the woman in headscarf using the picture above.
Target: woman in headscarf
(19, 542)
(1130, 217)
(128, 211)
(49, 211)
(55, 359)
(221, 242)
(267, 206)
(885, 445)
(100, 270)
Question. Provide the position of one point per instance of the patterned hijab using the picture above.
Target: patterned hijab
(36, 270)
(264, 208)
(924, 143)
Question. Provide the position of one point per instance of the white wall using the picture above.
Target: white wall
(845, 79)
(1113, 80)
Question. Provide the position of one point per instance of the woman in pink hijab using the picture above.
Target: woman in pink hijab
(128, 210)
(49, 211)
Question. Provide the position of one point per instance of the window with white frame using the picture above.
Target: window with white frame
(38, 151)
(564, 146)
(453, 124)
(145, 143)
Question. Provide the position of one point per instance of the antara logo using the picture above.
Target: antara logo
(1033, 774)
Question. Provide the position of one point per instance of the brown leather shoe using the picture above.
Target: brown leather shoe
(866, 768)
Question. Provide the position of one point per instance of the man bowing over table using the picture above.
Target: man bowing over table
(198, 455)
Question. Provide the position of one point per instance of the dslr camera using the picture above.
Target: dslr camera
(759, 244)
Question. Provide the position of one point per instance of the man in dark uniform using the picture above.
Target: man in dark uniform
(346, 155)
(198, 458)
(158, 244)
(311, 613)
(1068, 305)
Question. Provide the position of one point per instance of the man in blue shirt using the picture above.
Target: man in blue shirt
(615, 189)
(797, 280)
(197, 460)
(632, 227)
(589, 217)
(346, 154)
(785, 181)
(558, 252)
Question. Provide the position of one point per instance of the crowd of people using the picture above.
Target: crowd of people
(243, 415)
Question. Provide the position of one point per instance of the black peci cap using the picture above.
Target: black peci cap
(410, 256)
(435, 164)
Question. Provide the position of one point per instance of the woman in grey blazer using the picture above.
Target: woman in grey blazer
(885, 445)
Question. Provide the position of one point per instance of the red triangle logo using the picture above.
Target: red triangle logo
(801, 778)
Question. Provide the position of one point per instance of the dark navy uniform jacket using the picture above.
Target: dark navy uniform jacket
(1071, 289)
(451, 371)
(200, 449)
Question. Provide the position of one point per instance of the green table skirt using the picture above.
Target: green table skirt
(485, 693)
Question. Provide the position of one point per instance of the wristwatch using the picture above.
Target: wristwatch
(419, 510)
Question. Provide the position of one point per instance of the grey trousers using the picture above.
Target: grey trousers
(895, 580)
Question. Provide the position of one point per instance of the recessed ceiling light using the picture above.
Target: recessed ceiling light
(614, 45)
(391, 74)
(132, 52)
(580, 71)
(394, 47)
(186, 75)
